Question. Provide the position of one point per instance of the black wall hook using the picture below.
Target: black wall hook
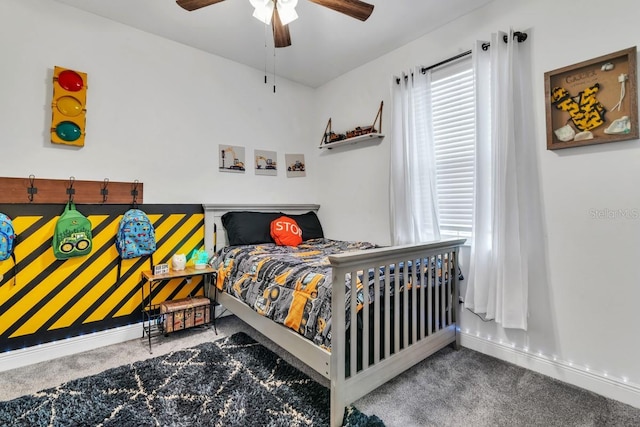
(70, 190)
(104, 190)
(31, 190)
(134, 194)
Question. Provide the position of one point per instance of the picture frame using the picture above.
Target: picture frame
(592, 102)
(295, 165)
(231, 158)
(160, 269)
(266, 162)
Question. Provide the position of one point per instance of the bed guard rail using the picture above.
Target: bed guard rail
(405, 301)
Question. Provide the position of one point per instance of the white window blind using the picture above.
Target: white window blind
(453, 115)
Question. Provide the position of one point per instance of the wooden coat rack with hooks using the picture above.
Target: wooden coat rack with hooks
(42, 190)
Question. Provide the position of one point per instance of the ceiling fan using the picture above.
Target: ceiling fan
(268, 12)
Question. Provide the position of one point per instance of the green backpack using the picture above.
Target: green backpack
(72, 234)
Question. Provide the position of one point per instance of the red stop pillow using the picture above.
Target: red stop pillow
(286, 232)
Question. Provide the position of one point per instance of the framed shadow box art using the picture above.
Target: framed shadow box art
(592, 102)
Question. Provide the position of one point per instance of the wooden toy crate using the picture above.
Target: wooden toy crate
(185, 313)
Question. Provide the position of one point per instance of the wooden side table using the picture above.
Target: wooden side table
(151, 318)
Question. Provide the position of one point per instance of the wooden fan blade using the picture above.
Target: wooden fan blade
(196, 4)
(281, 36)
(354, 8)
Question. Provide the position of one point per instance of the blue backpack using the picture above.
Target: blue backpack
(135, 238)
(7, 241)
(7, 237)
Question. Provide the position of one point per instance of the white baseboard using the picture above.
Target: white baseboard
(599, 383)
(52, 350)
(612, 388)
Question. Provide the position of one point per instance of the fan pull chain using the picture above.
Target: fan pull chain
(266, 50)
(274, 69)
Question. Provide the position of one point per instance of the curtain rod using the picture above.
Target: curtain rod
(519, 36)
(446, 61)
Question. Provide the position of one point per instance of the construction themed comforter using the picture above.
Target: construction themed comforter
(290, 285)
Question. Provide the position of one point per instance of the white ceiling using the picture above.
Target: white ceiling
(325, 43)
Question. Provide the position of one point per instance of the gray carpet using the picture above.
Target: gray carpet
(467, 388)
(450, 388)
(233, 382)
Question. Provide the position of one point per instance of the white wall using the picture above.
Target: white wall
(171, 106)
(584, 308)
(156, 110)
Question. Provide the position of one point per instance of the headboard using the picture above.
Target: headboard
(213, 213)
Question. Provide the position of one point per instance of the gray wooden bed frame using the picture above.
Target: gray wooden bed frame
(345, 389)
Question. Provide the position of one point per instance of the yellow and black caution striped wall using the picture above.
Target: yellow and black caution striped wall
(49, 300)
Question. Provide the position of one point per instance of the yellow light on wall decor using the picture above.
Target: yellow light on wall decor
(68, 107)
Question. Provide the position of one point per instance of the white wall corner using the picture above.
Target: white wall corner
(595, 382)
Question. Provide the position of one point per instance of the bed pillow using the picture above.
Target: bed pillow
(248, 228)
(285, 232)
(310, 225)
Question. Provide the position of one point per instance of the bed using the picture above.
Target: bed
(402, 299)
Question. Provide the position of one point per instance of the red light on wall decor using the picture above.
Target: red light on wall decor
(68, 108)
(70, 80)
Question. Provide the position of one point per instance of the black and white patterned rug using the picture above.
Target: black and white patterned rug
(230, 382)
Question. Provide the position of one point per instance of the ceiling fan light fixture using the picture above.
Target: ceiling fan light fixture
(281, 12)
(259, 4)
(287, 10)
(263, 10)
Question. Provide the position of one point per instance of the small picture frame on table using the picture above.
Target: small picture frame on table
(160, 269)
(592, 102)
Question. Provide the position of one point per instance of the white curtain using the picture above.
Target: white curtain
(414, 208)
(506, 200)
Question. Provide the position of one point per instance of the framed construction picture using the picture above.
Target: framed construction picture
(295, 165)
(266, 162)
(592, 102)
(231, 158)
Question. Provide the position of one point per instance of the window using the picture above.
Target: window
(453, 115)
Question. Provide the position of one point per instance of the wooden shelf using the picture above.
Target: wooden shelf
(175, 274)
(353, 140)
(373, 133)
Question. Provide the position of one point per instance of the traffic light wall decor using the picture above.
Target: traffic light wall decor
(68, 107)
